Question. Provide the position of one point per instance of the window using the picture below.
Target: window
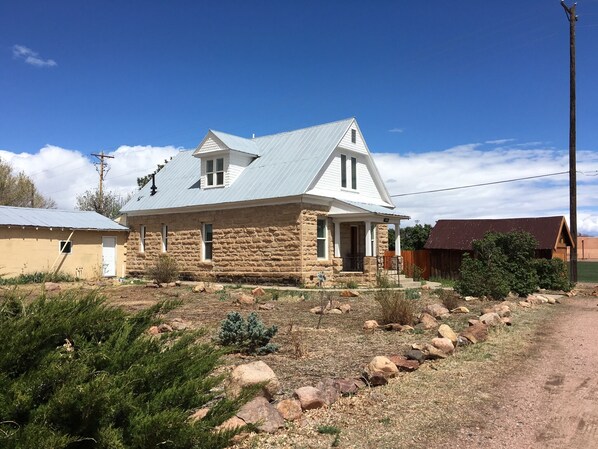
(164, 238)
(65, 247)
(322, 239)
(215, 172)
(354, 136)
(373, 239)
(343, 170)
(354, 173)
(207, 241)
(142, 239)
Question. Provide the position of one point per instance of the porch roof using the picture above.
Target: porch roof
(352, 208)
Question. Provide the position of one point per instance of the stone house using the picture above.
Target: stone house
(278, 208)
(80, 243)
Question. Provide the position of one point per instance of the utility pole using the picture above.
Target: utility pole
(103, 170)
(572, 18)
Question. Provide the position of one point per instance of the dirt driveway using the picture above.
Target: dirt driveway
(551, 401)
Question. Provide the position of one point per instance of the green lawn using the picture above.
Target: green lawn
(587, 271)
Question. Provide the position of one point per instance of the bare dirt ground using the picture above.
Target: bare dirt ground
(551, 399)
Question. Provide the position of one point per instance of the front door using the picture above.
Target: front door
(109, 256)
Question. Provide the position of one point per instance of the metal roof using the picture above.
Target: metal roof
(237, 143)
(53, 218)
(460, 234)
(288, 164)
(377, 209)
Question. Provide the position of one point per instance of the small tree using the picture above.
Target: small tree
(250, 336)
(18, 189)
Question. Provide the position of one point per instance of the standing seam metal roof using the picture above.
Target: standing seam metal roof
(53, 218)
(288, 164)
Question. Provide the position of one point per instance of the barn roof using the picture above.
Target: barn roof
(460, 234)
(54, 218)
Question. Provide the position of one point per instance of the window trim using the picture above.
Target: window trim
(324, 238)
(142, 231)
(373, 232)
(164, 238)
(205, 242)
(213, 174)
(65, 244)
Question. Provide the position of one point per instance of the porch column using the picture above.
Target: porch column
(398, 238)
(368, 239)
(337, 239)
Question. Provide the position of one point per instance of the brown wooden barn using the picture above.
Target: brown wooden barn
(450, 239)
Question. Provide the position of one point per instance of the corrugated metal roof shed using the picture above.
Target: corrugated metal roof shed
(459, 234)
(289, 162)
(53, 218)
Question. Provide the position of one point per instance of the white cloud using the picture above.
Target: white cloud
(499, 141)
(31, 57)
(396, 130)
(470, 164)
(63, 174)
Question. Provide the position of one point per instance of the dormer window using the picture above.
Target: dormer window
(215, 172)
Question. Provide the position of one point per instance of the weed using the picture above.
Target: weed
(223, 295)
(386, 421)
(166, 270)
(331, 430)
(351, 284)
(382, 281)
(37, 277)
(397, 306)
(449, 299)
(275, 295)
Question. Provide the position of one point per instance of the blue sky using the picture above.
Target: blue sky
(421, 78)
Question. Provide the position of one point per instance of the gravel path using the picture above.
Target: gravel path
(552, 399)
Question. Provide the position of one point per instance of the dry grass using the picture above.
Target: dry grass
(396, 307)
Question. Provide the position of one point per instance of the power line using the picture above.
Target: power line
(481, 184)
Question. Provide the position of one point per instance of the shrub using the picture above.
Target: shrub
(166, 270)
(382, 281)
(449, 299)
(37, 277)
(552, 274)
(479, 279)
(250, 337)
(75, 373)
(396, 306)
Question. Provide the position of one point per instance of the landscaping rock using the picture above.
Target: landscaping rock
(348, 386)
(316, 310)
(262, 414)
(476, 333)
(153, 330)
(491, 319)
(213, 288)
(330, 388)
(152, 285)
(445, 331)
(370, 325)
(251, 374)
(245, 299)
(461, 309)
(403, 363)
(178, 324)
(501, 309)
(470, 298)
(231, 423)
(334, 312)
(290, 409)
(431, 352)
(52, 287)
(163, 328)
(415, 354)
(310, 398)
(266, 306)
(381, 365)
(473, 322)
(553, 300)
(345, 308)
(258, 291)
(436, 310)
(375, 379)
(444, 344)
(349, 294)
(428, 321)
(506, 321)
(200, 287)
(199, 414)
(525, 304)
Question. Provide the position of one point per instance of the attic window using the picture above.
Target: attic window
(215, 172)
(354, 136)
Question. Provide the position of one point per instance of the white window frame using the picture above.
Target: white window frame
(373, 239)
(65, 243)
(164, 238)
(344, 171)
(142, 230)
(212, 175)
(207, 242)
(353, 173)
(324, 238)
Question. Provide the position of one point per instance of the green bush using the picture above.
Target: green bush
(166, 270)
(37, 277)
(552, 274)
(250, 337)
(478, 279)
(75, 373)
(397, 306)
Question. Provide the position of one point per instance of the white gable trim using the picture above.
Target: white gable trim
(199, 151)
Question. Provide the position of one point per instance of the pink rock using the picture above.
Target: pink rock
(262, 414)
(403, 363)
(310, 398)
(245, 299)
(290, 409)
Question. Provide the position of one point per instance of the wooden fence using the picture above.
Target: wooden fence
(411, 259)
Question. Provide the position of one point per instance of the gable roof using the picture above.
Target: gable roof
(460, 234)
(54, 218)
(231, 141)
(287, 165)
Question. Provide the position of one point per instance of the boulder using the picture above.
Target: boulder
(432, 352)
(415, 354)
(444, 344)
(162, 328)
(506, 321)
(472, 322)
(245, 299)
(460, 309)
(153, 330)
(251, 374)
(445, 331)
(370, 325)
(290, 409)
(213, 288)
(375, 379)
(177, 283)
(476, 333)
(436, 310)
(525, 304)
(348, 385)
(152, 285)
(52, 287)
(258, 291)
(428, 321)
(179, 324)
(172, 284)
(345, 308)
(199, 414)
(330, 388)
(381, 365)
(266, 306)
(310, 398)
(349, 294)
(334, 312)
(500, 309)
(491, 319)
(403, 363)
(262, 414)
(553, 300)
(200, 287)
(231, 423)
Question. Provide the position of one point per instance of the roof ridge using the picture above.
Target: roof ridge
(46, 208)
(306, 128)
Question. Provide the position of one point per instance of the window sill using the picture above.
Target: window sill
(346, 189)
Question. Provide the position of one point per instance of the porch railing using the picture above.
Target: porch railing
(353, 263)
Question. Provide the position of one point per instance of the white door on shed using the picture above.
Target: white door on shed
(109, 256)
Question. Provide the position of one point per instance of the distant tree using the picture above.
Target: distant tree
(17, 189)
(147, 178)
(108, 204)
(412, 237)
